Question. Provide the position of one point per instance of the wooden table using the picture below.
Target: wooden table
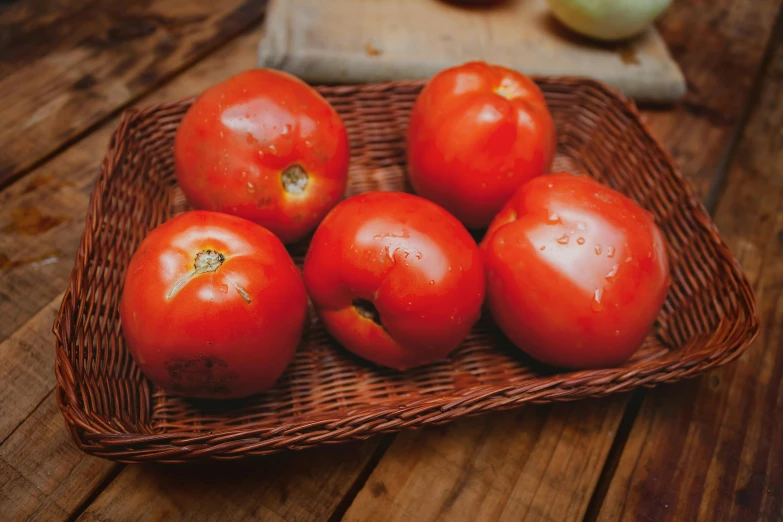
(709, 448)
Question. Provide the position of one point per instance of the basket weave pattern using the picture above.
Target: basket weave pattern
(327, 395)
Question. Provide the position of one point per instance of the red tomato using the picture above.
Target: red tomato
(213, 306)
(477, 132)
(265, 146)
(576, 272)
(395, 278)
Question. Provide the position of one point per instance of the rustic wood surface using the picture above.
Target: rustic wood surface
(709, 448)
(712, 449)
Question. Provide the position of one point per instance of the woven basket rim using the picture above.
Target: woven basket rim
(97, 438)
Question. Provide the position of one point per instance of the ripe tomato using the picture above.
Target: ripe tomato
(477, 132)
(213, 306)
(576, 272)
(265, 146)
(395, 278)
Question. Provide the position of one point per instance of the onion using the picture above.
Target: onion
(608, 19)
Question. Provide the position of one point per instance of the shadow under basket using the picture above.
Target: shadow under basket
(329, 396)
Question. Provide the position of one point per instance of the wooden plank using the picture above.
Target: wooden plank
(65, 66)
(719, 45)
(43, 476)
(26, 369)
(537, 463)
(419, 476)
(712, 449)
(301, 486)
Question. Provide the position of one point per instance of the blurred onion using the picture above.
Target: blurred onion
(608, 19)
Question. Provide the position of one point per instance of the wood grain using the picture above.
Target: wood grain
(712, 449)
(719, 45)
(302, 486)
(537, 463)
(65, 66)
(26, 369)
(43, 476)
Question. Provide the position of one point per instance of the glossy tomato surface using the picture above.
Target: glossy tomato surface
(212, 306)
(576, 272)
(265, 146)
(396, 279)
(477, 132)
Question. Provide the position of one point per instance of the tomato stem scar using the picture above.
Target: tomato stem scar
(206, 261)
(366, 309)
(294, 179)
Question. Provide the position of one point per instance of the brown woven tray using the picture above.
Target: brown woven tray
(329, 396)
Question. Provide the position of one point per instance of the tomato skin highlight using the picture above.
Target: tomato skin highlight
(229, 331)
(403, 261)
(477, 132)
(265, 146)
(576, 272)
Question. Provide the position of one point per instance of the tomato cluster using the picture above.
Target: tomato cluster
(573, 272)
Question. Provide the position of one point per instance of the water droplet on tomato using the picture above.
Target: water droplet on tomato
(580, 241)
(432, 282)
(543, 247)
(598, 250)
(617, 333)
(628, 259)
(554, 218)
(563, 240)
(612, 272)
(581, 226)
(610, 252)
(250, 187)
(596, 303)
(224, 288)
(449, 268)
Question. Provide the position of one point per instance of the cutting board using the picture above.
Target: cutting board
(357, 41)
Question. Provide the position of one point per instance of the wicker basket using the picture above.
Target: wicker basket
(329, 396)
